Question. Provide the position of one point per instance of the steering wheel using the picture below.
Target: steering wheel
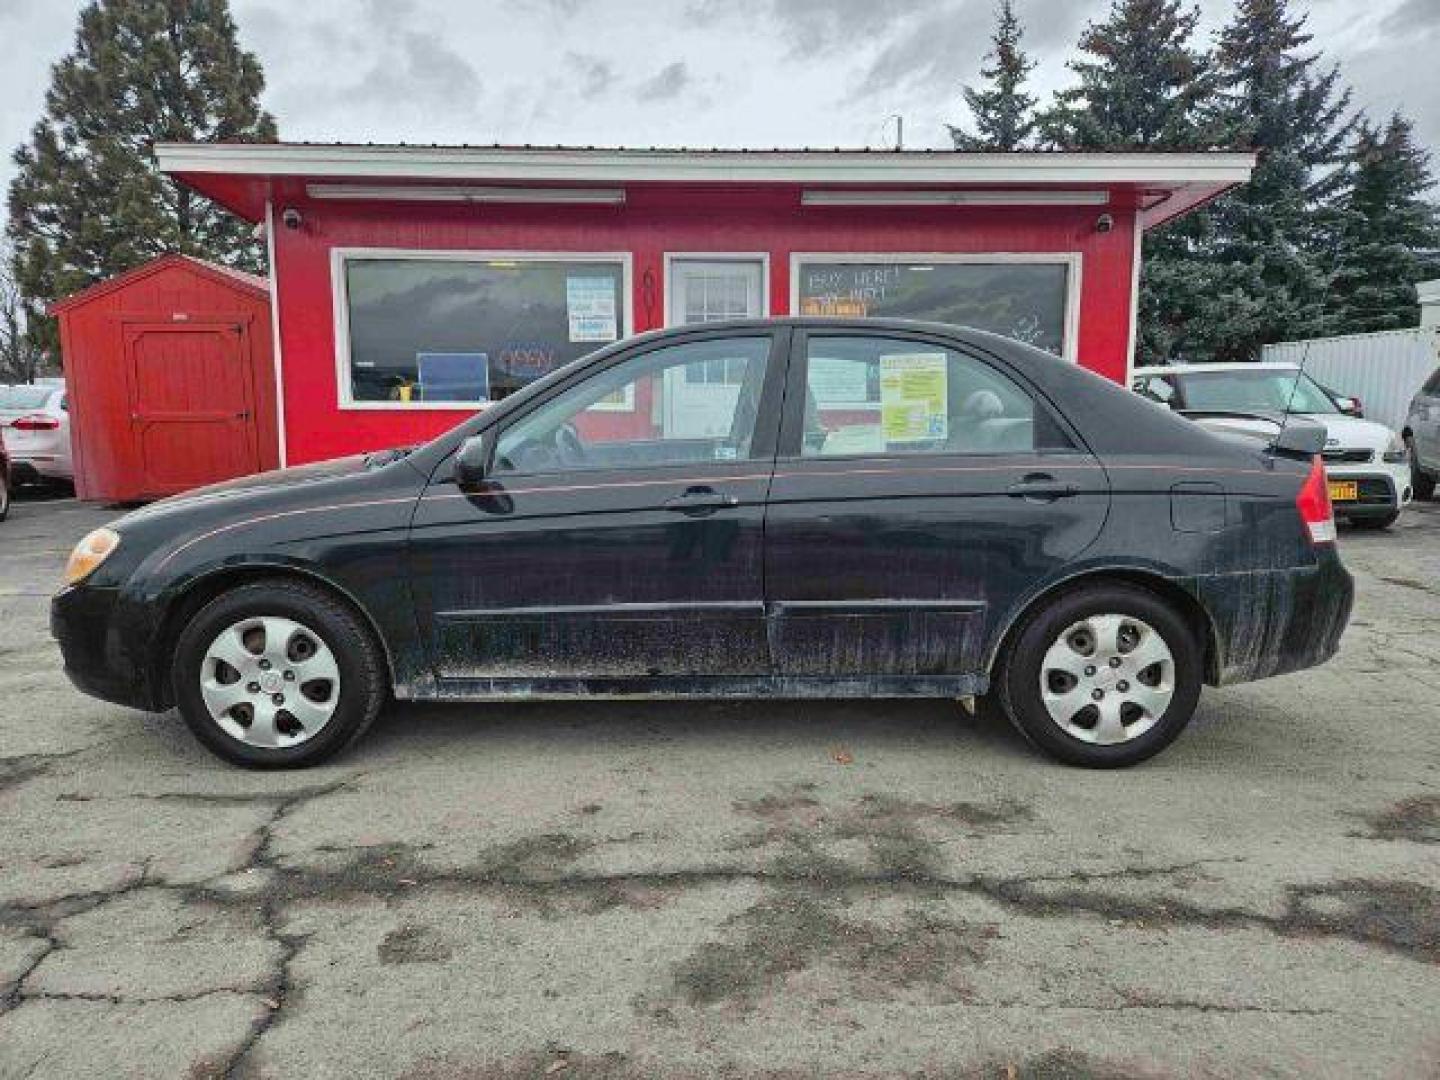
(569, 447)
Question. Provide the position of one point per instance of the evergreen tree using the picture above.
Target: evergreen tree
(1141, 84)
(1268, 255)
(88, 202)
(1003, 114)
(1387, 236)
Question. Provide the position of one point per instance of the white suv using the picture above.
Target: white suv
(1366, 463)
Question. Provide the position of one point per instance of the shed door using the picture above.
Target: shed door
(191, 405)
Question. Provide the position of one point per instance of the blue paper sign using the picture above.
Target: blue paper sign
(454, 376)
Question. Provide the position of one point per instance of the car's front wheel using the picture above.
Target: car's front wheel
(4, 495)
(1104, 676)
(277, 674)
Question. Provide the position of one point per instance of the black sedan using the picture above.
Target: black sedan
(779, 508)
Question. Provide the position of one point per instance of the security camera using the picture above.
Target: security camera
(290, 218)
(1104, 223)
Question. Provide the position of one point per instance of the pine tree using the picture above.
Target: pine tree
(1268, 243)
(1387, 237)
(1003, 114)
(1141, 83)
(88, 201)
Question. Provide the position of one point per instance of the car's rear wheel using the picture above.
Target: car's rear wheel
(1103, 676)
(277, 674)
(4, 496)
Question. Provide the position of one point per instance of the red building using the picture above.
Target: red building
(412, 285)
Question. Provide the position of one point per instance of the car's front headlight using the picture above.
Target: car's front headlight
(1395, 451)
(89, 553)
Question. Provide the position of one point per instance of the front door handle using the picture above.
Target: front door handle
(1042, 487)
(700, 500)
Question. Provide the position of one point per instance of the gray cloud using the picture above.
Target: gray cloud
(1414, 17)
(937, 52)
(810, 27)
(596, 75)
(669, 82)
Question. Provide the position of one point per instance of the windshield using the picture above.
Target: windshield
(1266, 390)
(24, 397)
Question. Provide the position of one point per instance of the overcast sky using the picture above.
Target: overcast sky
(748, 73)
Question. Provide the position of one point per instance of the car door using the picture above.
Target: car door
(1424, 422)
(919, 491)
(599, 546)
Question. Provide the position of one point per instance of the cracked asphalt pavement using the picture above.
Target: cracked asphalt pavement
(762, 889)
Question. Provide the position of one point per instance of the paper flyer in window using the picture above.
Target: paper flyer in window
(839, 381)
(590, 306)
(913, 398)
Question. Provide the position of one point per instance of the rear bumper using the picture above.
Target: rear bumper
(103, 649)
(43, 467)
(1276, 621)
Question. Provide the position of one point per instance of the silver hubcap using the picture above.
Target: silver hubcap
(1107, 679)
(270, 682)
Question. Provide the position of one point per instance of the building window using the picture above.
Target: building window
(1021, 297)
(431, 330)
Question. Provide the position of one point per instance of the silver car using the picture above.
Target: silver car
(36, 419)
(1422, 436)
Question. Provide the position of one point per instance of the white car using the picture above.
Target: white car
(1366, 463)
(36, 419)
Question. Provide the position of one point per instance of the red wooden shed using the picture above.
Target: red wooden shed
(171, 379)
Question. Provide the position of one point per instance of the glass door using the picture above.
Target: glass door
(700, 398)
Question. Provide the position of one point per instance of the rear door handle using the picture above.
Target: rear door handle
(1042, 487)
(700, 500)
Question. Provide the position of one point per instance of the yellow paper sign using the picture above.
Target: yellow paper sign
(913, 398)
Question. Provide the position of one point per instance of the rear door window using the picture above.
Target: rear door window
(887, 396)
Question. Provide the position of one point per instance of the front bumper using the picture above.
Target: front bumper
(103, 649)
(1381, 488)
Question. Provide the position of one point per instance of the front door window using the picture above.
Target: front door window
(621, 417)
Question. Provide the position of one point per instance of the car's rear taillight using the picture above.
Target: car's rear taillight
(36, 423)
(1313, 502)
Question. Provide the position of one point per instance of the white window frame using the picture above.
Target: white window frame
(341, 256)
(762, 257)
(1073, 261)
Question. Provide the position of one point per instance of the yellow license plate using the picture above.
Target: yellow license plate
(1344, 491)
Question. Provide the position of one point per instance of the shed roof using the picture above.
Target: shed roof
(245, 176)
(227, 275)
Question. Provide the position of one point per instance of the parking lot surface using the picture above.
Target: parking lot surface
(758, 889)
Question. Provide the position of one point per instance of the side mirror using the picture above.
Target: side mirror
(1299, 437)
(1350, 406)
(470, 462)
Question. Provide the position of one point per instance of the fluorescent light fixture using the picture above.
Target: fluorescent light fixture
(467, 194)
(855, 197)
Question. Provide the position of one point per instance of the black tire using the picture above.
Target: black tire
(1380, 521)
(363, 677)
(1421, 481)
(4, 496)
(1018, 678)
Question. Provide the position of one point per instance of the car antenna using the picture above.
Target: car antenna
(1305, 353)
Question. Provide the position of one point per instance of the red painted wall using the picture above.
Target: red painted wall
(655, 219)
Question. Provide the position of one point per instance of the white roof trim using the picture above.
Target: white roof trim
(778, 166)
(948, 197)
